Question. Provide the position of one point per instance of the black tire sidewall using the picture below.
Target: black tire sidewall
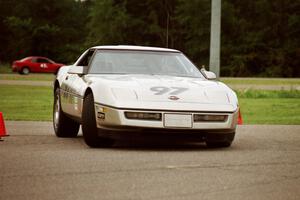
(89, 127)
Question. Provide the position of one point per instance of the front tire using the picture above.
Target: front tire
(63, 125)
(89, 127)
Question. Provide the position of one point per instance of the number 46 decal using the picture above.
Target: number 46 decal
(43, 65)
(159, 90)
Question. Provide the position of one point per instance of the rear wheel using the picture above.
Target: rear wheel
(63, 125)
(25, 71)
(89, 127)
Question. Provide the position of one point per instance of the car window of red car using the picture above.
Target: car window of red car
(34, 60)
(42, 60)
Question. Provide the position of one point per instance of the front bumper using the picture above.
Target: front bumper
(114, 119)
(14, 68)
(170, 135)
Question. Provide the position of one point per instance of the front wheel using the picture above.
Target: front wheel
(89, 127)
(63, 125)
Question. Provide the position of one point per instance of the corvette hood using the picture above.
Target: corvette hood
(163, 91)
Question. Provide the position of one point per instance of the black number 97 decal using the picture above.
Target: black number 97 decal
(159, 90)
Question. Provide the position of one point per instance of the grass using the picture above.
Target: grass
(34, 103)
(29, 103)
(270, 107)
(261, 81)
(268, 94)
(270, 110)
(30, 77)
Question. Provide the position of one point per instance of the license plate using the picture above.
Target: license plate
(178, 120)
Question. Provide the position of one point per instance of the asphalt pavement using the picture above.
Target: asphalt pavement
(263, 163)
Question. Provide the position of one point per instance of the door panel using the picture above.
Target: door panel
(34, 65)
(73, 89)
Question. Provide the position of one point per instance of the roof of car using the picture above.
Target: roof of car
(136, 48)
(30, 57)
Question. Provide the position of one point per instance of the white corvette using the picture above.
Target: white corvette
(129, 91)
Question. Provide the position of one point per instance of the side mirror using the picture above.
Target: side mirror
(80, 70)
(208, 74)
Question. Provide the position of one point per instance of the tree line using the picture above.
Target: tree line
(258, 38)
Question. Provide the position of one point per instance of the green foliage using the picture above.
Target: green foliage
(46, 28)
(132, 22)
(194, 18)
(107, 23)
(258, 38)
(15, 25)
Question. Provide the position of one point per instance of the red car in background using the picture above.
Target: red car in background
(35, 64)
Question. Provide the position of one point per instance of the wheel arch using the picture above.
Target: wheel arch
(87, 91)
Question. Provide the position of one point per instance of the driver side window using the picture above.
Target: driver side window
(86, 58)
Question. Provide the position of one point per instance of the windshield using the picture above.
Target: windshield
(142, 62)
